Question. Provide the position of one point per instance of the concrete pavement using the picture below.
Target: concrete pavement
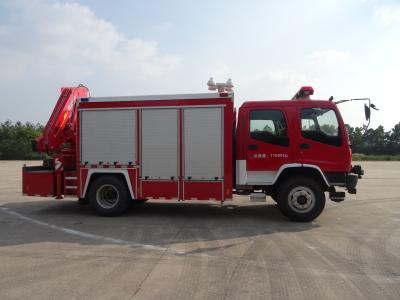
(162, 250)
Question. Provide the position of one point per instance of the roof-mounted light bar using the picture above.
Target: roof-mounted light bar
(304, 93)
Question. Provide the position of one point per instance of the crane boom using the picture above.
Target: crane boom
(60, 129)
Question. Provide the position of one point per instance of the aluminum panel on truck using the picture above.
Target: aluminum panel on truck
(203, 143)
(159, 136)
(108, 136)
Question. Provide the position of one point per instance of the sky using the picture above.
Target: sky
(343, 48)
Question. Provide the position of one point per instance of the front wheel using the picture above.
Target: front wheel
(301, 199)
(109, 196)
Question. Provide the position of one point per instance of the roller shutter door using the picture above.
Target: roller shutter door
(108, 136)
(159, 136)
(203, 143)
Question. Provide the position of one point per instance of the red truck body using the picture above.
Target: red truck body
(193, 147)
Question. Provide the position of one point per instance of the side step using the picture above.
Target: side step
(336, 196)
(70, 183)
(242, 192)
(258, 197)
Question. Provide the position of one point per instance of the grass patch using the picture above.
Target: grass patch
(357, 157)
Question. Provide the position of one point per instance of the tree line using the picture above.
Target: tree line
(374, 141)
(16, 140)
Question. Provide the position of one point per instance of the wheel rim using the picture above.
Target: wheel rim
(301, 199)
(107, 196)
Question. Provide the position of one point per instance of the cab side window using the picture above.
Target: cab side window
(269, 126)
(321, 125)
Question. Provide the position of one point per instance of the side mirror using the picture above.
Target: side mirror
(367, 111)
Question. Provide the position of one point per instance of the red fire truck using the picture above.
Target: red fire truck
(110, 151)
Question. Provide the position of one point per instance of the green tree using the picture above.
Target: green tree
(356, 138)
(16, 140)
(393, 140)
(374, 141)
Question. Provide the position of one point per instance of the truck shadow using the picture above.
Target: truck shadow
(151, 223)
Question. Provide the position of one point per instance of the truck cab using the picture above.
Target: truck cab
(293, 150)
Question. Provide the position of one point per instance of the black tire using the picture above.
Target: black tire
(301, 199)
(83, 201)
(139, 201)
(109, 196)
(274, 197)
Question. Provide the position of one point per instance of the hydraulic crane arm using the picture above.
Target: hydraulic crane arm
(60, 129)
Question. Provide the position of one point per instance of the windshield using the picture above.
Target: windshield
(321, 124)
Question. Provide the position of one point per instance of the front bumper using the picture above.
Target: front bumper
(352, 178)
(351, 183)
(346, 180)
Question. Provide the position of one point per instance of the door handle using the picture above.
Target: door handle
(304, 146)
(252, 147)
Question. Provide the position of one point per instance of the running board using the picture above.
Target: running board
(258, 197)
(336, 196)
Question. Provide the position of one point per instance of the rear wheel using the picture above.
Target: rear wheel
(274, 196)
(301, 199)
(83, 201)
(139, 201)
(109, 196)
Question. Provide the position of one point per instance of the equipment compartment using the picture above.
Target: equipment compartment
(38, 181)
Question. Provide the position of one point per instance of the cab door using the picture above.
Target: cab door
(322, 140)
(268, 143)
